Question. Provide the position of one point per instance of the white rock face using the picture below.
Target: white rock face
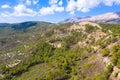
(104, 17)
(107, 17)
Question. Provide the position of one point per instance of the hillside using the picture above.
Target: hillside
(17, 39)
(11, 34)
(68, 51)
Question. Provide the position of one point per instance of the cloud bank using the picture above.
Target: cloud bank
(23, 8)
(87, 5)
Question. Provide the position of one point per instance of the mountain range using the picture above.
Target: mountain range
(112, 17)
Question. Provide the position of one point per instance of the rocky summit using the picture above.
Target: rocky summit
(112, 17)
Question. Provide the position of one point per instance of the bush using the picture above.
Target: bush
(116, 55)
(90, 29)
(115, 74)
(109, 68)
(118, 63)
(114, 59)
(98, 76)
(108, 71)
(105, 52)
(88, 64)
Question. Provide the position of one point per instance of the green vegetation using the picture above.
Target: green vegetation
(116, 55)
(39, 55)
(105, 52)
(105, 75)
(115, 74)
(115, 28)
(73, 38)
(90, 29)
(98, 77)
(80, 55)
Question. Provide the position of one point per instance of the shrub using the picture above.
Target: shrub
(115, 74)
(98, 76)
(90, 29)
(118, 63)
(105, 52)
(109, 68)
(114, 59)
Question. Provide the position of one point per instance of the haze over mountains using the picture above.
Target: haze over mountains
(112, 17)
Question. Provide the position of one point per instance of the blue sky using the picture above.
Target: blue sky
(12, 11)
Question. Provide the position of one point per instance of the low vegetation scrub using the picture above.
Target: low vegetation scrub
(105, 52)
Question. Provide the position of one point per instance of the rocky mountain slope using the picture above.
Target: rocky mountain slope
(113, 17)
(69, 51)
(16, 39)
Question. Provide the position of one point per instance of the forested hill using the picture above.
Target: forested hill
(69, 51)
(23, 27)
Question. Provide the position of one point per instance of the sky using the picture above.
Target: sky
(15, 11)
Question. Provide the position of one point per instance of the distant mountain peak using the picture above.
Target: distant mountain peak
(111, 17)
(73, 19)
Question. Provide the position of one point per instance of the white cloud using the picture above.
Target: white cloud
(28, 2)
(50, 10)
(22, 10)
(5, 14)
(19, 11)
(72, 12)
(35, 2)
(5, 6)
(85, 10)
(60, 2)
(8, 19)
(53, 1)
(111, 2)
(46, 11)
(86, 5)
(71, 6)
(57, 8)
